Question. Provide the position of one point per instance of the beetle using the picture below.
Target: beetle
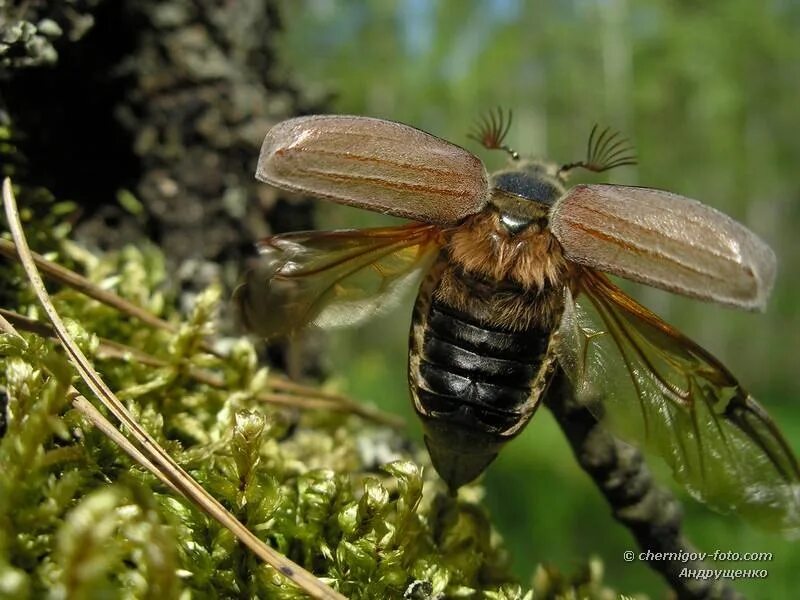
(513, 287)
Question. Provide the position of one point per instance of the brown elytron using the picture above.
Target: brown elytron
(502, 260)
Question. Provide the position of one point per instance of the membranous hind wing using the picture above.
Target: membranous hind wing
(656, 388)
(333, 278)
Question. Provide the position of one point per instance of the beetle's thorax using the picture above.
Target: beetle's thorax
(497, 273)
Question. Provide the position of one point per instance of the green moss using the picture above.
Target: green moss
(79, 519)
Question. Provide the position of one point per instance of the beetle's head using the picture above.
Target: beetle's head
(524, 193)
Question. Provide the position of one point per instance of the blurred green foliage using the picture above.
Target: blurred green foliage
(708, 92)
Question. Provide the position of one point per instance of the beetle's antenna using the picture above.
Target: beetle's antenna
(491, 129)
(605, 151)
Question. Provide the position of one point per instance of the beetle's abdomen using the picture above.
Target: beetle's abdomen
(475, 383)
(477, 375)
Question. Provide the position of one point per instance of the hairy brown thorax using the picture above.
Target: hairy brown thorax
(513, 280)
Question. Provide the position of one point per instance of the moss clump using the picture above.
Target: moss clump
(79, 519)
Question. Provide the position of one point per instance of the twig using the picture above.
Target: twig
(652, 514)
(149, 447)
